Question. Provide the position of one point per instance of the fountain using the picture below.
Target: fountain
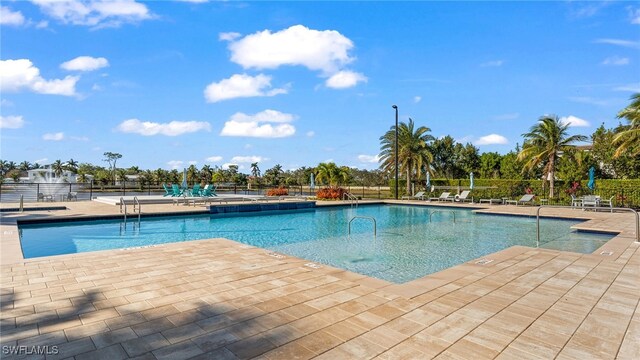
(49, 185)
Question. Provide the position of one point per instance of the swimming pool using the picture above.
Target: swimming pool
(407, 246)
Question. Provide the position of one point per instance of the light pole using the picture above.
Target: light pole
(395, 107)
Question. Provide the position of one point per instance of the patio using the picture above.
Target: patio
(224, 300)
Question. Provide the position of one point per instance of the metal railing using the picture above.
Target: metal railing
(595, 208)
(352, 199)
(123, 204)
(440, 211)
(375, 225)
(137, 202)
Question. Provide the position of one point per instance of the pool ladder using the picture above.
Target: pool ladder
(375, 226)
(352, 199)
(440, 211)
(136, 207)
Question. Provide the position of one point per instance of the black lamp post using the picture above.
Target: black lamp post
(395, 107)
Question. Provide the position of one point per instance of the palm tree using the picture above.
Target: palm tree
(330, 173)
(255, 170)
(629, 138)
(206, 173)
(25, 166)
(192, 173)
(58, 167)
(543, 144)
(72, 165)
(413, 150)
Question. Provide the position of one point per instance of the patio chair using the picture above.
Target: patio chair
(167, 191)
(209, 191)
(608, 203)
(43, 197)
(72, 196)
(491, 201)
(418, 196)
(590, 200)
(176, 191)
(525, 199)
(575, 202)
(464, 196)
(443, 196)
(194, 191)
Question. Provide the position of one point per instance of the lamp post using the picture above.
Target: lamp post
(396, 108)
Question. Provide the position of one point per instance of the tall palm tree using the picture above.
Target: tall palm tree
(192, 173)
(25, 166)
(206, 173)
(629, 138)
(330, 173)
(543, 144)
(58, 167)
(413, 150)
(72, 165)
(255, 170)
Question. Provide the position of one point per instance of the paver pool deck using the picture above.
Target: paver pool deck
(219, 299)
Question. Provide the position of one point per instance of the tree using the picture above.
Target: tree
(274, 175)
(543, 144)
(205, 174)
(510, 167)
(112, 158)
(58, 168)
(628, 139)
(490, 165)
(192, 174)
(25, 166)
(331, 174)
(72, 165)
(414, 154)
(255, 170)
(444, 157)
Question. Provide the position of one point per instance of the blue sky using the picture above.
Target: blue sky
(168, 84)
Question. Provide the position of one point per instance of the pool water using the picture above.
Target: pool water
(407, 246)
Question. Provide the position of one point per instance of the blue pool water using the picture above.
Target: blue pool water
(407, 246)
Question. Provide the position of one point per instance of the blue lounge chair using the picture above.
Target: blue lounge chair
(208, 191)
(167, 191)
(176, 191)
(195, 191)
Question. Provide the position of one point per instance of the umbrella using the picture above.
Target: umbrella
(428, 180)
(312, 182)
(471, 181)
(592, 178)
(184, 179)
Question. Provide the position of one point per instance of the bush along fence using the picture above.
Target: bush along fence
(625, 193)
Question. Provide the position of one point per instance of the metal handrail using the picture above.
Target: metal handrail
(353, 199)
(437, 211)
(122, 203)
(595, 208)
(136, 201)
(375, 225)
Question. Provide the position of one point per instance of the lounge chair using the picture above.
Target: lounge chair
(72, 196)
(194, 191)
(208, 191)
(176, 191)
(575, 202)
(418, 196)
(464, 196)
(525, 199)
(491, 201)
(43, 197)
(590, 200)
(167, 191)
(608, 203)
(443, 196)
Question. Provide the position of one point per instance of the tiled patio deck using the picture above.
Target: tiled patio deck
(219, 299)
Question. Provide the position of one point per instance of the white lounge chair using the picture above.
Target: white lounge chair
(575, 202)
(443, 196)
(491, 201)
(418, 196)
(464, 196)
(525, 199)
(608, 203)
(590, 200)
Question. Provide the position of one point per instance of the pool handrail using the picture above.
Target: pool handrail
(136, 201)
(595, 208)
(375, 225)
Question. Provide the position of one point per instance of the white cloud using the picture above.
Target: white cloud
(226, 166)
(175, 164)
(95, 13)
(85, 63)
(574, 121)
(11, 122)
(192, 162)
(326, 50)
(5, 102)
(493, 63)
(619, 42)
(259, 125)
(10, 18)
(228, 36)
(589, 100)
(492, 139)
(40, 161)
(241, 85)
(173, 128)
(42, 24)
(417, 99)
(247, 159)
(53, 136)
(16, 75)
(311, 133)
(631, 88)
(616, 61)
(214, 158)
(368, 158)
(634, 14)
(79, 138)
(345, 79)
